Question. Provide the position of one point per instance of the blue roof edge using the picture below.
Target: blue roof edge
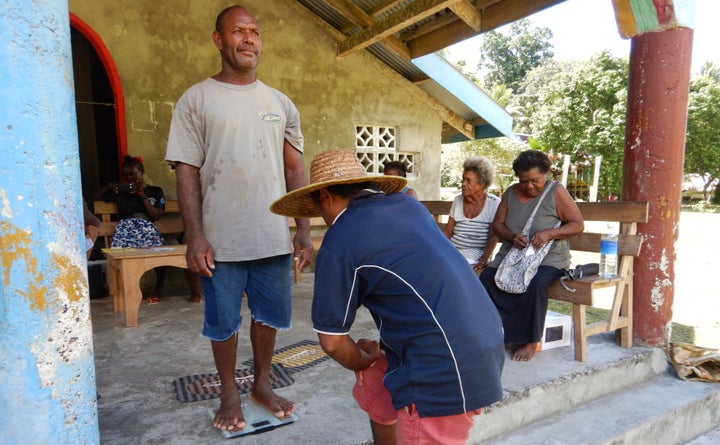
(452, 80)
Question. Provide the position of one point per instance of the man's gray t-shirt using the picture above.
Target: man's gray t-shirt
(235, 135)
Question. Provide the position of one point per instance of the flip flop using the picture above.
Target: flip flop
(151, 300)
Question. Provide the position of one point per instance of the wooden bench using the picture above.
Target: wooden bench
(171, 224)
(581, 293)
(126, 266)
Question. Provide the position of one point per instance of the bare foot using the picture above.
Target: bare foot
(229, 416)
(525, 352)
(196, 299)
(278, 406)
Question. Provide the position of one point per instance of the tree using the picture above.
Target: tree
(702, 144)
(580, 110)
(501, 151)
(507, 58)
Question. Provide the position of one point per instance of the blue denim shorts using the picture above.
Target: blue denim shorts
(265, 281)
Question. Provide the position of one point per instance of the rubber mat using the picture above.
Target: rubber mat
(207, 386)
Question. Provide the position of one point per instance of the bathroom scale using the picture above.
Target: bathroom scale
(257, 420)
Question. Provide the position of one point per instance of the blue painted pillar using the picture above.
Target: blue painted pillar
(47, 375)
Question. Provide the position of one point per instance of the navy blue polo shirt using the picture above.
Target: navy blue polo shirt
(441, 333)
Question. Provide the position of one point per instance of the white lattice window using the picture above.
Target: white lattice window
(377, 145)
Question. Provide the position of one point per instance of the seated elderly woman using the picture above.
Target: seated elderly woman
(472, 213)
(557, 218)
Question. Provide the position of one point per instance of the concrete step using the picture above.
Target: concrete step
(709, 438)
(553, 382)
(665, 410)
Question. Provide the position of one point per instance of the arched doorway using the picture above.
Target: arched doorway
(100, 108)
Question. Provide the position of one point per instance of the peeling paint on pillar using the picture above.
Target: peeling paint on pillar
(654, 155)
(47, 375)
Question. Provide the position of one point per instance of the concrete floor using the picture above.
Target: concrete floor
(136, 366)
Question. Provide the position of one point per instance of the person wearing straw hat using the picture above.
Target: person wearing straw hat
(237, 147)
(440, 354)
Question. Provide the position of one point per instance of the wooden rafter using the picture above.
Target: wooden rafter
(467, 13)
(408, 15)
(357, 16)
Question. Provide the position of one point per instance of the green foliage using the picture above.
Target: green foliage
(579, 109)
(702, 144)
(502, 151)
(507, 58)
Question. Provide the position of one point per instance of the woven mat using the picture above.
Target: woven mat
(207, 386)
(297, 356)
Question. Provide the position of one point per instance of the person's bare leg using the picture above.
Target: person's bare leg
(160, 273)
(229, 416)
(525, 352)
(262, 337)
(193, 279)
(383, 434)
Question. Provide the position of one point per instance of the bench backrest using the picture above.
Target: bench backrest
(627, 213)
(170, 222)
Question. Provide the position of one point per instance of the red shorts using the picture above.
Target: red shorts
(374, 399)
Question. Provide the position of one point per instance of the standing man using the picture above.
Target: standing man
(237, 146)
(440, 353)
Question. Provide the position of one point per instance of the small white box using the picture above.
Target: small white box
(557, 331)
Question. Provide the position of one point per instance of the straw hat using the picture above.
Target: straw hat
(331, 167)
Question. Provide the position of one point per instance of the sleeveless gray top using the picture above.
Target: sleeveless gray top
(545, 218)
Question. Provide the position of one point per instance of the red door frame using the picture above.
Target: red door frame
(113, 77)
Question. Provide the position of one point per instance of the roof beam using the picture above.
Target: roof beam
(411, 13)
(493, 16)
(357, 16)
(384, 7)
(468, 14)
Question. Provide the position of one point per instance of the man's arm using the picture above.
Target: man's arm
(351, 355)
(199, 251)
(294, 179)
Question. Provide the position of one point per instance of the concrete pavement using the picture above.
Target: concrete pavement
(135, 368)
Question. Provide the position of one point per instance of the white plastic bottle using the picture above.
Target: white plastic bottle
(608, 254)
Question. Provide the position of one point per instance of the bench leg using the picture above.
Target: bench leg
(113, 282)
(626, 333)
(579, 335)
(130, 273)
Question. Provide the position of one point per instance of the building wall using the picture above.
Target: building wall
(161, 47)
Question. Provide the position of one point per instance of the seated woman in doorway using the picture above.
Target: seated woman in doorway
(523, 315)
(472, 213)
(138, 206)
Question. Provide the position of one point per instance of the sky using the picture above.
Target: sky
(579, 39)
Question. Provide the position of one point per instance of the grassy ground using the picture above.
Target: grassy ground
(680, 332)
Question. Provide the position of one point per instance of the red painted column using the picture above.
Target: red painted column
(654, 155)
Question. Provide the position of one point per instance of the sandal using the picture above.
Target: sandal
(151, 300)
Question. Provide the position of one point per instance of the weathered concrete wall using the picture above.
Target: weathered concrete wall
(161, 47)
(47, 374)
